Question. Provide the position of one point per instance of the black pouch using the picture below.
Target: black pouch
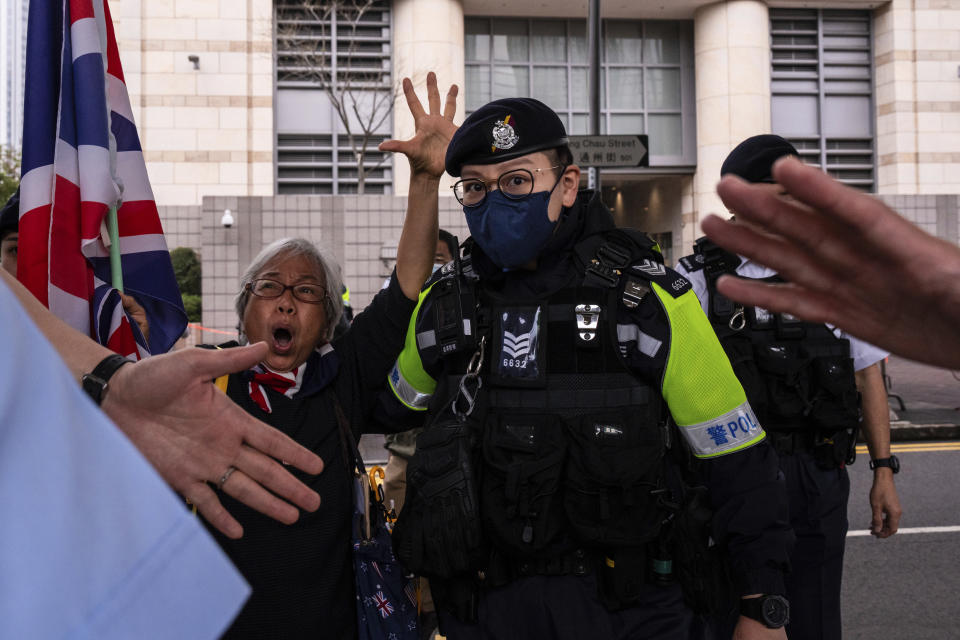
(524, 457)
(621, 577)
(438, 532)
(615, 466)
(787, 378)
(836, 404)
(833, 452)
(702, 569)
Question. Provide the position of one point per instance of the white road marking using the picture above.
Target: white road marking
(907, 530)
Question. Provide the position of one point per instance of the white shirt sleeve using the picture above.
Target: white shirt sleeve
(93, 544)
(863, 353)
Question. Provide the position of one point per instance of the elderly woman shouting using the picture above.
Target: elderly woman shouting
(302, 573)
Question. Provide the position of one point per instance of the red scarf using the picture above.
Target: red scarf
(275, 381)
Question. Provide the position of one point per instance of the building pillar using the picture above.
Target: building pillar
(427, 36)
(732, 66)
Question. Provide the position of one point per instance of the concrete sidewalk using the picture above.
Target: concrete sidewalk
(925, 424)
(930, 398)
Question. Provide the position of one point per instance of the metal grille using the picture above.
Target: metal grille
(317, 40)
(305, 164)
(822, 89)
(342, 49)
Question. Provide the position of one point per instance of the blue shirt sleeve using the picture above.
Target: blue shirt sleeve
(93, 543)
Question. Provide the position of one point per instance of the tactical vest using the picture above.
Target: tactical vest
(798, 375)
(566, 445)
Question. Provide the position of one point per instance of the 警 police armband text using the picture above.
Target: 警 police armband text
(731, 432)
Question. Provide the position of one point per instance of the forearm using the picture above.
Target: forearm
(419, 236)
(80, 353)
(876, 414)
(751, 517)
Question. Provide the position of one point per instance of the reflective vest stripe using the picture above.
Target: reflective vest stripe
(646, 344)
(405, 392)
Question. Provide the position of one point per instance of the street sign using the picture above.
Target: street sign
(610, 151)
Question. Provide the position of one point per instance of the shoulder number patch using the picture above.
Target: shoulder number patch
(671, 281)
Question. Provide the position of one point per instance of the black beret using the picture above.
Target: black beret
(10, 214)
(503, 130)
(753, 158)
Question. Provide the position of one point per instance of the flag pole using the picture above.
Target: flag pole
(116, 272)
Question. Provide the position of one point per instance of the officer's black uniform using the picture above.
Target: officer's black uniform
(799, 378)
(546, 497)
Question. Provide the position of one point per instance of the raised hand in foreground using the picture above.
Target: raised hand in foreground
(849, 260)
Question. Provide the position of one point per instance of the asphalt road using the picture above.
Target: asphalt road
(906, 587)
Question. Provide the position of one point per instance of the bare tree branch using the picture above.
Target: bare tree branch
(325, 41)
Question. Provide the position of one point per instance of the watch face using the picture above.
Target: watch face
(775, 611)
(895, 463)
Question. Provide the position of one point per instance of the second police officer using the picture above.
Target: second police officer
(802, 381)
(566, 377)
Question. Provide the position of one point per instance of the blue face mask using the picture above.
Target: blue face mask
(511, 232)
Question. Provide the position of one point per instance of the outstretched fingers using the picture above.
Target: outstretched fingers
(270, 474)
(275, 444)
(208, 505)
(413, 102)
(433, 94)
(781, 298)
(243, 488)
(781, 255)
(210, 364)
(450, 106)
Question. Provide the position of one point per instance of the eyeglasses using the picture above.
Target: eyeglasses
(514, 184)
(304, 292)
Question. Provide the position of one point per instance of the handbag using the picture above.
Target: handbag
(386, 594)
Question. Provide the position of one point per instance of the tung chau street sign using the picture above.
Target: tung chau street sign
(606, 152)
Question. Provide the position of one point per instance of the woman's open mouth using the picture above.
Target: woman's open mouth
(282, 340)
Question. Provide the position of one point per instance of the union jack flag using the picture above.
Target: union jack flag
(383, 605)
(81, 156)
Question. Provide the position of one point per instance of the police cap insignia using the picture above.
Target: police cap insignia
(503, 130)
(504, 136)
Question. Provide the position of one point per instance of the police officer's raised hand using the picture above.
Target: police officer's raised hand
(427, 148)
(849, 260)
(750, 629)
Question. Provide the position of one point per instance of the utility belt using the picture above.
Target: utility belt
(681, 554)
(502, 570)
(830, 449)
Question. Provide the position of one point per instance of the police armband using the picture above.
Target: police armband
(733, 431)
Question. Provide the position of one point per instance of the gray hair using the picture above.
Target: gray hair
(328, 270)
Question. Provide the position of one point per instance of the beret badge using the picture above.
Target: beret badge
(504, 137)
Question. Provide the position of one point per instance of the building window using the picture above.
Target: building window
(646, 76)
(334, 96)
(822, 89)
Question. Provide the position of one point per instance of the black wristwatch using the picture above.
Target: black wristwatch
(773, 612)
(893, 462)
(95, 382)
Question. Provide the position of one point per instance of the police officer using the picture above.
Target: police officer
(802, 380)
(567, 378)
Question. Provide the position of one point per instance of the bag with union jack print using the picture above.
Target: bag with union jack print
(386, 595)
